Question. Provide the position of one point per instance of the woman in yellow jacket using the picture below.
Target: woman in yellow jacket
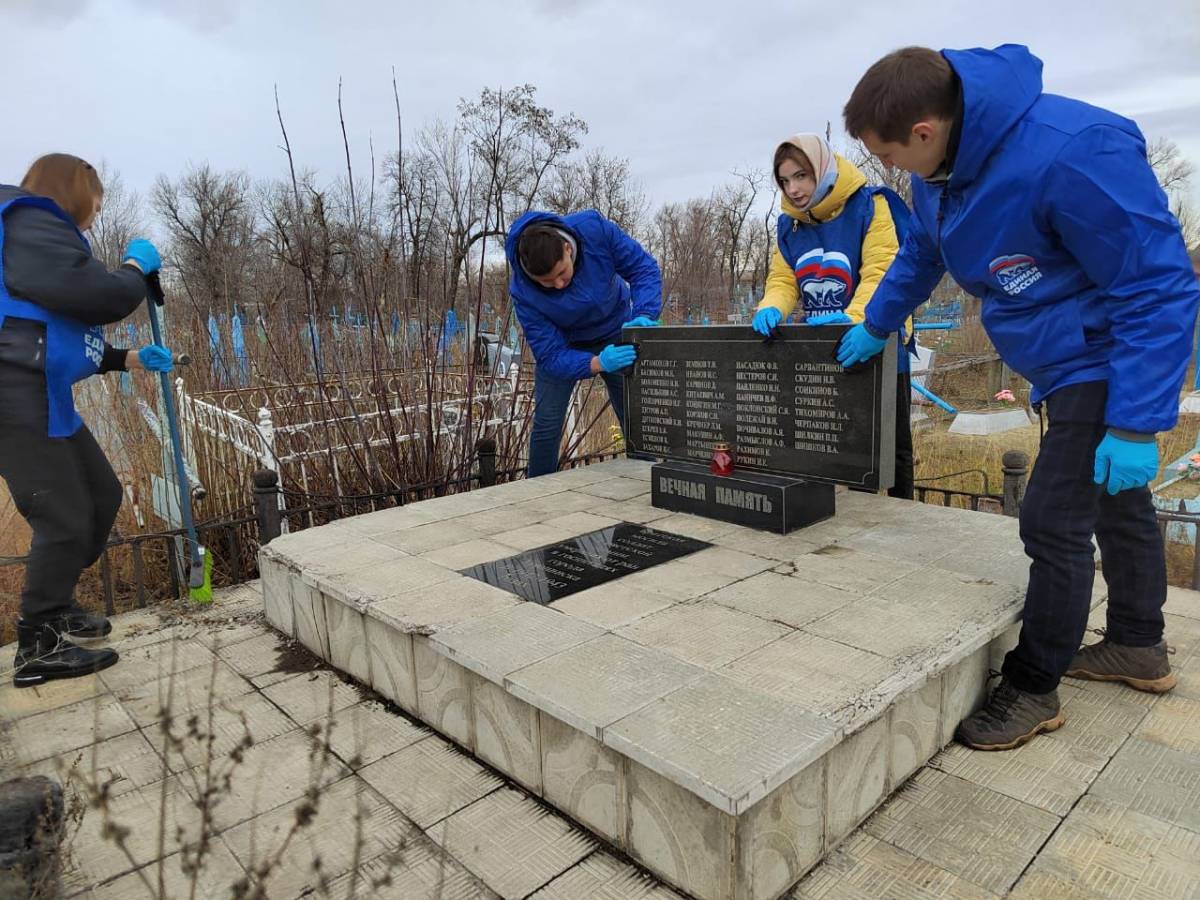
(836, 237)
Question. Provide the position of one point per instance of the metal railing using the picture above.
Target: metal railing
(1186, 517)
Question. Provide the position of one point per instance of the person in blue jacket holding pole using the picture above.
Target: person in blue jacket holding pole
(1047, 209)
(55, 298)
(577, 280)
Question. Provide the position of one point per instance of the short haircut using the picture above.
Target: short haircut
(540, 248)
(796, 155)
(69, 181)
(899, 91)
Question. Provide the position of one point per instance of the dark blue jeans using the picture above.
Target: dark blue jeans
(550, 398)
(1061, 511)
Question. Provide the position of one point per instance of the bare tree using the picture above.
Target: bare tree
(877, 173)
(600, 182)
(732, 203)
(210, 219)
(122, 218)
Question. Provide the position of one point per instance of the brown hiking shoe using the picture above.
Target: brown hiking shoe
(1144, 668)
(1010, 718)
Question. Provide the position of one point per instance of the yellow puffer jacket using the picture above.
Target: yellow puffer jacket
(878, 250)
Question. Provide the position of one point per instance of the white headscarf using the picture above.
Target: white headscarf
(823, 161)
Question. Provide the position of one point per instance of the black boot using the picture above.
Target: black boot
(77, 622)
(43, 654)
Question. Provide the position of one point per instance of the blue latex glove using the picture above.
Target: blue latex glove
(858, 345)
(145, 254)
(615, 357)
(640, 322)
(1125, 464)
(829, 318)
(156, 359)
(765, 320)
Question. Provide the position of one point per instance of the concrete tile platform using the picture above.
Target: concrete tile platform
(439, 823)
(765, 689)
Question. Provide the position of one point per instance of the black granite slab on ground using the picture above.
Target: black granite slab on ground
(786, 406)
(550, 573)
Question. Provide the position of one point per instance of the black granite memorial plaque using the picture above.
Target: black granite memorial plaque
(557, 570)
(756, 500)
(786, 406)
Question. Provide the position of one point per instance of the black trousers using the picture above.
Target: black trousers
(69, 495)
(1061, 511)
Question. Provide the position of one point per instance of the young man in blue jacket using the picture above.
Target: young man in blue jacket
(577, 280)
(1047, 209)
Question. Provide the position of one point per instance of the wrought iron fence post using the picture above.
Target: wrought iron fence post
(266, 505)
(485, 451)
(1016, 472)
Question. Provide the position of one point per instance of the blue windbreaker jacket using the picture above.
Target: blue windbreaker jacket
(1053, 216)
(615, 280)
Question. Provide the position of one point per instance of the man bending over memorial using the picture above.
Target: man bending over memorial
(577, 280)
(1047, 209)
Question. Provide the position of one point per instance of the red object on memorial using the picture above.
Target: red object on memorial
(722, 460)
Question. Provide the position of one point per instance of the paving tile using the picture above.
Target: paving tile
(368, 731)
(385, 521)
(530, 537)
(434, 536)
(1183, 636)
(153, 661)
(696, 526)
(219, 732)
(637, 511)
(678, 579)
(370, 586)
(1155, 780)
(95, 856)
(218, 874)
(468, 554)
(17, 703)
(596, 683)
(1105, 851)
(616, 488)
(602, 876)
(428, 608)
(566, 502)
(183, 695)
(704, 634)
(273, 773)
(850, 570)
(730, 745)
(59, 731)
(430, 780)
(515, 637)
(777, 547)
(907, 542)
(778, 598)
(418, 870)
(1189, 678)
(506, 518)
(726, 561)
(613, 604)
(312, 696)
(1047, 773)
(216, 634)
(1183, 602)
(583, 778)
(512, 843)
(123, 763)
(352, 822)
(258, 655)
(866, 868)
(819, 675)
(1098, 719)
(970, 831)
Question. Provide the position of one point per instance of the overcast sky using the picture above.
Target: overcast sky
(686, 90)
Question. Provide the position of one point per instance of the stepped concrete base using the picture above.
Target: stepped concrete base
(726, 718)
(990, 421)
